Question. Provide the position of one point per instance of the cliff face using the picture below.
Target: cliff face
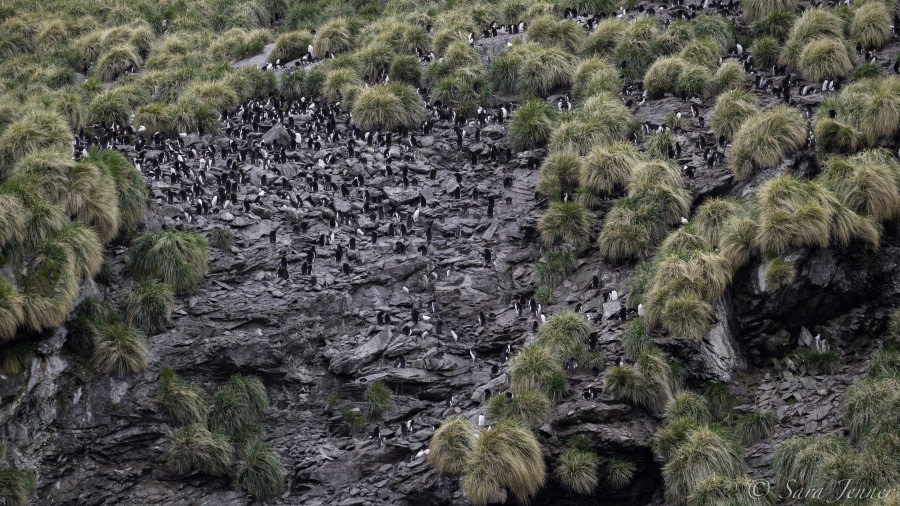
(317, 344)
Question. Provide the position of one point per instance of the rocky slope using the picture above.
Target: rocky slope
(316, 342)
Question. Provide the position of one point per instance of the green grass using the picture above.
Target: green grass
(730, 75)
(555, 268)
(603, 40)
(12, 312)
(131, 192)
(356, 421)
(635, 339)
(178, 259)
(752, 427)
(290, 46)
(721, 400)
(755, 10)
(812, 24)
(634, 49)
(703, 52)
(193, 448)
(865, 183)
(648, 383)
(703, 453)
(387, 107)
(593, 76)
(717, 489)
(870, 406)
(798, 461)
(619, 472)
(606, 170)
(531, 125)
(776, 25)
(564, 333)
(16, 486)
(532, 370)
(183, 402)
(221, 238)
(529, 409)
(506, 457)
(669, 437)
(451, 445)
(765, 51)
(559, 174)
(241, 401)
(624, 235)
(120, 350)
(763, 140)
(662, 76)
(731, 110)
(548, 32)
(689, 405)
(779, 274)
(544, 70)
(819, 362)
(84, 248)
(332, 37)
(405, 69)
(659, 145)
(825, 58)
(380, 399)
(566, 221)
(148, 306)
(114, 62)
(871, 25)
(793, 213)
(34, 130)
(16, 358)
(260, 472)
(577, 471)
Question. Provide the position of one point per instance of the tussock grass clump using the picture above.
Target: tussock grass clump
(545, 70)
(405, 69)
(866, 183)
(648, 383)
(721, 400)
(193, 448)
(625, 234)
(530, 409)
(712, 217)
(703, 52)
(548, 32)
(605, 171)
(131, 192)
(619, 472)
(671, 435)
(217, 95)
(564, 333)
(870, 406)
(260, 472)
(505, 457)
(835, 136)
(16, 358)
(531, 125)
(677, 35)
(120, 350)
(660, 145)
(13, 219)
(183, 402)
(290, 46)
(559, 174)
(871, 25)
(635, 339)
(567, 221)
(333, 37)
(148, 306)
(178, 259)
(687, 315)
(694, 81)
(825, 58)
(451, 445)
(16, 486)
(35, 130)
(792, 212)
(374, 59)
(533, 370)
(779, 274)
(717, 490)
(813, 24)
(730, 76)
(661, 77)
(603, 119)
(12, 312)
(689, 405)
(388, 107)
(84, 249)
(750, 428)
(577, 471)
(776, 25)
(221, 238)
(703, 453)
(870, 106)
(797, 461)
(717, 29)
(154, 117)
(765, 139)
(754, 10)
(765, 50)
(606, 35)
(634, 50)
(595, 75)
(380, 399)
(242, 401)
(557, 265)
(116, 61)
